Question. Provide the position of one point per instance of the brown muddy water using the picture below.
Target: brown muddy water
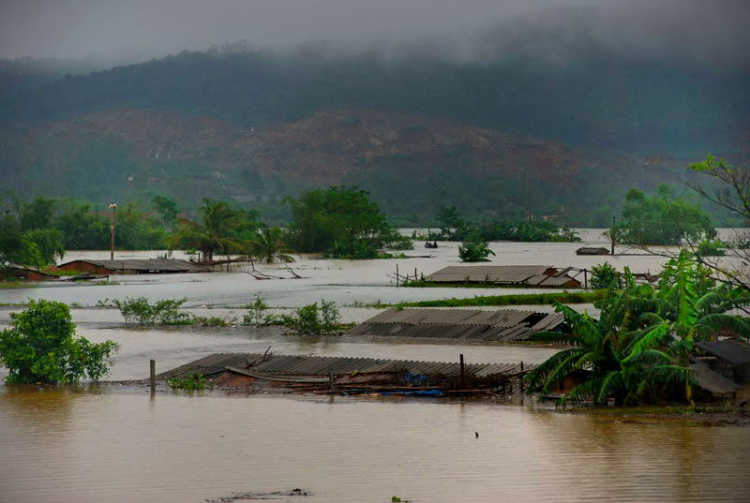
(113, 446)
(118, 444)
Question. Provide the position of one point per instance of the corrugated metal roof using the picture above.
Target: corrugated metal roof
(487, 273)
(502, 325)
(712, 381)
(735, 352)
(530, 275)
(154, 264)
(323, 365)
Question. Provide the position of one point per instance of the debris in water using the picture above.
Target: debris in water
(254, 496)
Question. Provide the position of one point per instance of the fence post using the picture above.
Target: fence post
(153, 374)
(463, 375)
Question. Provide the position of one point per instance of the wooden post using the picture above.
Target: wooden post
(520, 381)
(613, 234)
(153, 374)
(396, 274)
(585, 279)
(415, 274)
(112, 207)
(463, 375)
(331, 381)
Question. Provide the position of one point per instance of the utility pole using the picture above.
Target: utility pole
(112, 207)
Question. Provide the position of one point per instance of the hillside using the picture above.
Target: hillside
(502, 137)
(413, 164)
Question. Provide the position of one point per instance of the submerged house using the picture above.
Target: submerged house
(24, 273)
(499, 325)
(133, 266)
(510, 275)
(348, 374)
(729, 358)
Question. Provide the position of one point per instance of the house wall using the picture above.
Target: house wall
(80, 265)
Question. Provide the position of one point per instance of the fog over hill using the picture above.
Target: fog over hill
(615, 86)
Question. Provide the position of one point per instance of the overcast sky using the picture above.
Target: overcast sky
(710, 31)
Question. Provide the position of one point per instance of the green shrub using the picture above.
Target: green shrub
(603, 276)
(191, 382)
(711, 248)
(474, 250)
(164, 312)
(41, 346)
(314, 320)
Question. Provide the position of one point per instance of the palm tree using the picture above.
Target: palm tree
(269, 246)
(214, 232)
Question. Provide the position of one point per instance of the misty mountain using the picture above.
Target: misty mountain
(536, 115)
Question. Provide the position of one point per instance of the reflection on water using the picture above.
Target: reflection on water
(61, 446)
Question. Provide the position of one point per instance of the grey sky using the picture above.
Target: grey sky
(705, 30)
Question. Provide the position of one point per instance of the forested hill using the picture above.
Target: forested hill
(418, 132)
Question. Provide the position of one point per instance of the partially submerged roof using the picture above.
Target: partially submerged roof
(530, 275)
(500, 325)
(734, 352)
(146, 265)
(712, 381)
(216, 364)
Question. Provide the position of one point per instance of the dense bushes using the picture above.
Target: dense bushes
(41, 346)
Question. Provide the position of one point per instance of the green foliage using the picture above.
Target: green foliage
(474, 250)
(191, 382)
(639, 348)
(269, 245)
(138, 310)
(257, 315)
(216, 231)
(315, 320)
(342, 222)
(711, 248)
(49, 242)
(41, 346)
(663, 219)
(605, 275)
(454, 227)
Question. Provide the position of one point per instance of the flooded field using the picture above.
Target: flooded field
(119, 444)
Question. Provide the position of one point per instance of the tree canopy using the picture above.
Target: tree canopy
(41, 346)
(663, 219)
(341, 221)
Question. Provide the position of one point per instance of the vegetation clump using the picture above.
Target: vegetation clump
(140, 311)
(474, 250)
(639, 349)
(454, 227)
(41, 346)
(663, 219)
(341, 222)
(191, 382)
(605, 275)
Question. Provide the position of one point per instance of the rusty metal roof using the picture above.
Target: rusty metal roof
(734, 352)
(323, 365)
(501, 325)
(151, 265)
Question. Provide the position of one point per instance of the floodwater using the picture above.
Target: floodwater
(118, 444)
(63, 446)
(341, 281)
